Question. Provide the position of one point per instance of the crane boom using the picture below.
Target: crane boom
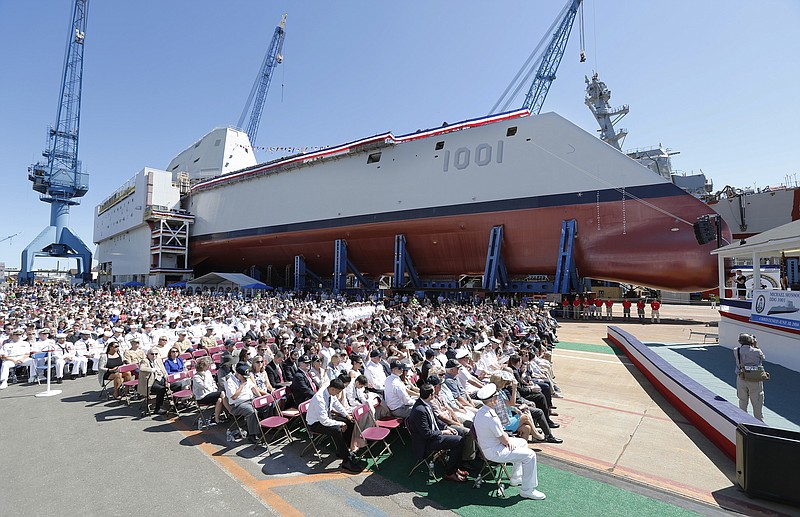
(258, 94)
(545, 65)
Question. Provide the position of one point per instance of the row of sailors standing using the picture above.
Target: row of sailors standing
(592, 308)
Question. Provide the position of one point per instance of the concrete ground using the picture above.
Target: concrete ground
(74, 454)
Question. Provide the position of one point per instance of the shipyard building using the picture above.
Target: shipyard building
(141, 232)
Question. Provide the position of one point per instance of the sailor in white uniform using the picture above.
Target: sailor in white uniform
(64, 353)
(497, 446)
(15, 352)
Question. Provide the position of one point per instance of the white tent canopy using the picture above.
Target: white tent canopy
(221, 281)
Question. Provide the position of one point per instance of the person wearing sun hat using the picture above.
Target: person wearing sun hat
(497, 446)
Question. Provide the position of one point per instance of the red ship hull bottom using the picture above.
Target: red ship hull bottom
(630, 242)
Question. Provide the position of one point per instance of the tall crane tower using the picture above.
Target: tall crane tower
(544, 65)
(59, 180)
(255, 101)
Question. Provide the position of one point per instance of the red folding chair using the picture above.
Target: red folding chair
(239, 344)
(204, 420)
(391, 423)
(186, 356)
(292, 414)
(131, 384)
(314, 439)
(199, 353)
(272, 423)
(372, 434)
(215, 349)
(184, 395)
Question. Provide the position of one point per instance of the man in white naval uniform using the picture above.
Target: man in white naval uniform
(63, 354)
(13, 353)
(497, 446)
(44, 344)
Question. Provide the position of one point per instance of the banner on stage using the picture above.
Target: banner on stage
(774, 307)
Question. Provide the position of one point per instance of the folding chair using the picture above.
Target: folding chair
(273, 423)
(203, 418)
(216, 349)
(490, 471)
(242, 430)
(239, 345)
(145, 405)
(184, 395)
(199, 353)
(371, 434)
(131, 384)
(390, 423)
(292, 414)
(314, 439)
(104, 393)
(185, 356)
(430, 462)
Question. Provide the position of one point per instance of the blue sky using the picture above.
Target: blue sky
(715, 80)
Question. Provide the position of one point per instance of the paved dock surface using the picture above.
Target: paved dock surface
(626, 451)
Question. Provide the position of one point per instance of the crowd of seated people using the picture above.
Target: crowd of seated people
(233, 350)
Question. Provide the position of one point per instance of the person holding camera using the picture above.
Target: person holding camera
(749, 356)
(240, 391)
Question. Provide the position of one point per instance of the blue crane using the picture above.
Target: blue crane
(544, 64)
(59, 181)
(255, 101)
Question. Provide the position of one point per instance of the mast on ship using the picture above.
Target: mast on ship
(597, 99)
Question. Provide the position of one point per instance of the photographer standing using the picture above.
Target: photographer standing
(749, 356)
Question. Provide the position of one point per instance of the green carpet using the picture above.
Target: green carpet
(568, 494)
(583, 347)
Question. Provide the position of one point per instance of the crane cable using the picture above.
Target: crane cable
(582, 36)
(527, 68)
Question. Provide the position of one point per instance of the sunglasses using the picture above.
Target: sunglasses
(258, 362)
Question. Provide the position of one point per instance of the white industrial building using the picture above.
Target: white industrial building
(141, 232)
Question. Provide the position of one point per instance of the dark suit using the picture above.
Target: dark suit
(302, 389)
(289, 369)
(539, 399)
(426, 436)
(273, 375)
(426, 371)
